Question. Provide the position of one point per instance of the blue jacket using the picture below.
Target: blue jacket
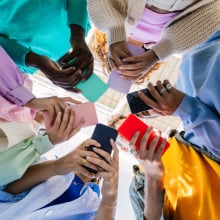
(200, 108)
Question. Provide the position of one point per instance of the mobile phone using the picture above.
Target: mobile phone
(86, 110)
(133, 124)
(118, 83)
(93, 88)
(103, 134)
(136, 105)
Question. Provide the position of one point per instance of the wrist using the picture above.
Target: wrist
(32, 59)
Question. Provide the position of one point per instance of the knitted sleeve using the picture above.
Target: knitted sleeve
(109, 16)
(189, 28)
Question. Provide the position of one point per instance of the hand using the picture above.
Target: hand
(167, 98)
(149, 159)
(117, 52)
(62, 128)
(51, 104)
(109, 172)
(80, 57)
(77, 159)
(137, 65)
(64, 78)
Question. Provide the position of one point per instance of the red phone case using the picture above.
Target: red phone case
(133, 124)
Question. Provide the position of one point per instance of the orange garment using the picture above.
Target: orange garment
(192, 184)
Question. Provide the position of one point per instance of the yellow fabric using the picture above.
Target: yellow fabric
(192, 184)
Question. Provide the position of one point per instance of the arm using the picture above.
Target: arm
(16, 51)
(109, 16)
(12, 82)
(154, 175)
(38, 173)
(109, 173)
(199, 119)
(181, 33)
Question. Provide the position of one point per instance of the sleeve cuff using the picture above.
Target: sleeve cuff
(42, 144)
(116, 34)
(20, 95)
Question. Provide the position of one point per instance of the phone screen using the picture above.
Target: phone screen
(136, 105)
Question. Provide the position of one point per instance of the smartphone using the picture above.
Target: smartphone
(133, 124)
(103, 134)
(86, 110)
(118, 83)
(136, 105)
(93, 88)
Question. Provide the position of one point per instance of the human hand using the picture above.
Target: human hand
(77, 159)
(53, 105)
(167, 98)
(64, 78)
(137, 65)
(149, 159)
(109, 168)
(117, 52)
(62, 127)
(80, 58)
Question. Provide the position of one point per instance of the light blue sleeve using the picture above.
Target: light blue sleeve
(16, 160)
(201, 123)
(77, 13)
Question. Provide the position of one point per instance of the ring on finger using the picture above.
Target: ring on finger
(168, 86)
(83, 161)
(162, 90)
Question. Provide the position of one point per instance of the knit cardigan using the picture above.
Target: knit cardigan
(190, 27)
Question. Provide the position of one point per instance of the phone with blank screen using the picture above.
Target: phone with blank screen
(103, 134)
(133, 124)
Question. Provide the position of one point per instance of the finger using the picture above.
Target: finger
(89, 72)
(144, 144)
(100, 163)
(153, 146)
(133, 141)
(82, 170)
(89, 142)
(160, 150)
(70, 100)
(104, 154)
(162, 89)
(65, 120)
(115, 151)
(57, 122)
(112, 64)
(77, 128)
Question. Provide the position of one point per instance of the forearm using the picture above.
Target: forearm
(154, 193)
(182, 33)
(12, 81)
(34, 175)
(109, 16)
(106, 211)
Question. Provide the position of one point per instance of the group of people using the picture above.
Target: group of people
(50, 36)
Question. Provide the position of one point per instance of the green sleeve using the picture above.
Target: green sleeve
(16, 51)
(15, 161)
(77, 13)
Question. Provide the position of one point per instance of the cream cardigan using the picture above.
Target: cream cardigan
(190, 27)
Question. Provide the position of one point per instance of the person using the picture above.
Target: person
(76, 194)
(18, 103)
(39, 36)
(177, 26)
(192, 161)
(151, 163)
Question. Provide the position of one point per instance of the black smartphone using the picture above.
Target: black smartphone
(136, 104)
(103, 134)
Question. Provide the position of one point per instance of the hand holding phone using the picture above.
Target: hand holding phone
(85, 110)
(102, 134)
(133, 124)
